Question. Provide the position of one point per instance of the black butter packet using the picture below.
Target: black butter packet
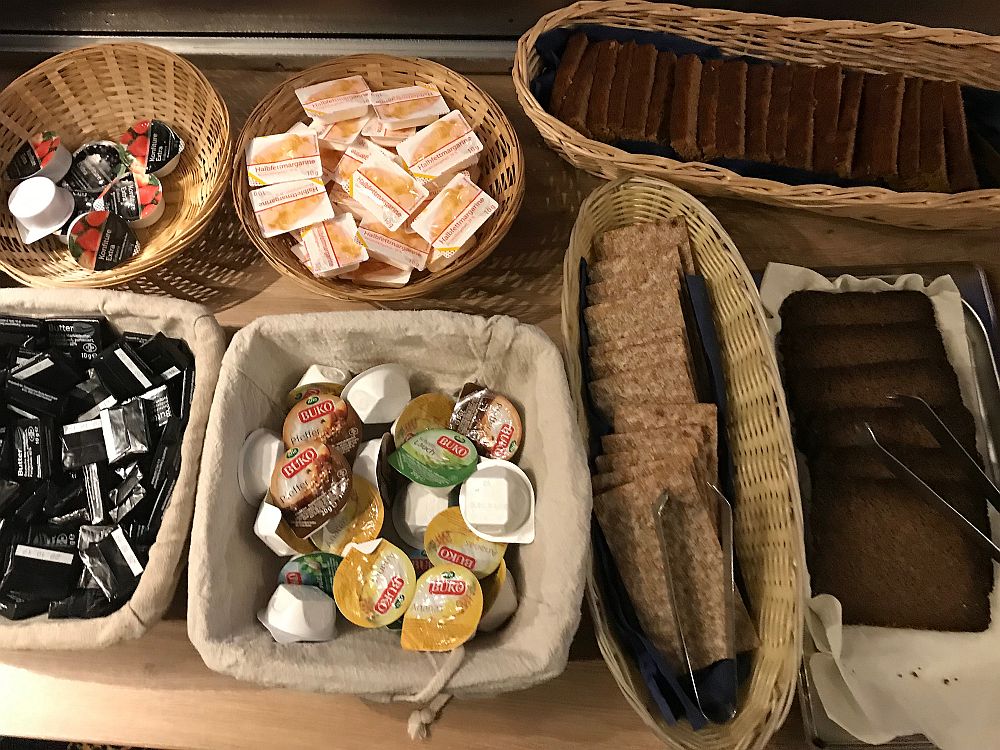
(9, 496)
(65, 495)
(82, 443)
(37, 573)
(14, 607)
(136, 339)
(51, 370)
(111, 559)
(126, 430)
(84, 604)
(33, 328)
(127, 495)
(88, 399)
(34, 447)
(182, 393)
(81, 338)
(34, 400)
(32, 501)
(158, 407)
(123, 371)
(50, 536)
(97, 483)
(165, 356)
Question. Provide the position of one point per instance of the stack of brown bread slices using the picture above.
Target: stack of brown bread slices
(903, 132)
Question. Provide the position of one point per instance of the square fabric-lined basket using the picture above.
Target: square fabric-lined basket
(232, 574)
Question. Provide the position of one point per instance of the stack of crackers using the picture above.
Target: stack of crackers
(663, 440)
(907, 133)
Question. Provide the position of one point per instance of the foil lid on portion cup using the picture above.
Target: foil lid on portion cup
(100, 240)
(447, 606)
(325, 418)
(426, 412)
(361, 521)
(94, 166)
(490, 420)
(436, 458)
(312, 485)
(43, 154)
(313, 569)
(450, 540)
(137, 198)
(150, 147)
(374, 585)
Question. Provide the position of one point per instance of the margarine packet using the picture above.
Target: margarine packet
(343, 202)
(445, 612)
(360, 522)
(340, 135)
(378, 274)
(387, 190)
(356, 155)
(377, 131)
(290, 205)
(454, 214)
(333, 101)
(447, 145)
(441, 258)
(400, 248)
(329, 156)
(410, 106)
(449, 539)
(285, 157)
(302, 255)
(334, 246)
(374, 588)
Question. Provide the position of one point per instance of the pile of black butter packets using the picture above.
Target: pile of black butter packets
(91, 422)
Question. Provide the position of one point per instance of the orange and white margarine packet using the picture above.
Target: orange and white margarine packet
(446, 609)
(373, 589)
(286, 157)
(454, 214)
(340, 135)
(328, 155)
(445, 146)
(449, 539)
(361, 521)
(356, 155)
(387, 190)
(401, 248)
(378, 274)
(342, 201)
(333, 101)
(290, 205)
(378, 132)
(334, 246)
(410, 106)
(302, 255)
(441, 258)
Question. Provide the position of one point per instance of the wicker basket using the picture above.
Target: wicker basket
(964, 56)
(502, 164)
(768, 516)
(96, 93)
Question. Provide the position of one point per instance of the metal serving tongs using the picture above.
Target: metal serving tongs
(718, 704)
(930, 419)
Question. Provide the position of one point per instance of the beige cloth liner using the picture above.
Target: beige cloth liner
(855, 669)
(232, 574)
(145, 314)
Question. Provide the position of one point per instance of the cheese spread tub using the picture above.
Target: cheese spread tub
(380, 133)
(436, 458)
(448, 145)
(455, 214)
(286, 157)
(327, 419)
(374, 589)
(334, 246)
(333, 101)
(448, 539)
(311, 484)
(401, 248)
(312, 569)
(341, 134)
(361, 521)
(290, 205)
(426, 412)
(490, 420)
(446, 609)
(387, 190)
(300, 392)
(410, 106)
(378, 274)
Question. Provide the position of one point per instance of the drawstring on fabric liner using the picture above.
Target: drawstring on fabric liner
(432, 697)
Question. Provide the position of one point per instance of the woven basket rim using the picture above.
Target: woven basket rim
(343, 290)
(139, 266)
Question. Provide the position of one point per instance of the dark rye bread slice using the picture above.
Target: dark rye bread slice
(730, 122)
(619, 92)
(961, 170)
(878, 131)
(684, 105)
(933, 167)
(868, 462)
(569, 63)
(895, 560)
(829, 80)
(758, 104)
(708, 107)
(812, 308)
(657, 125)
(600, 90)
(777, 118)
(574, 107)
(640, 91)
(841, 428)
(908, 161)
(864, 344)
(801, 109)
(847, 123)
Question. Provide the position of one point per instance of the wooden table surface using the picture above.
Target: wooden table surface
(155, 692)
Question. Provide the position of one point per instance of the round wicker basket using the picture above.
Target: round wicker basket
(96, 93)
(945, 54)
(767, 508)
(502, 165)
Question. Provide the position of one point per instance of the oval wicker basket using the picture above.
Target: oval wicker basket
(768, 514)
(502, 165)
(96, 93)
(948, 54)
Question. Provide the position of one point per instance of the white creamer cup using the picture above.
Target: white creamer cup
(366, 464)
(498, 502)
(379, 394)
(39, 207)
(265, 527)
(299, 613)
(261, 451)
(414, 509)
(503, 607)
(323, 374)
